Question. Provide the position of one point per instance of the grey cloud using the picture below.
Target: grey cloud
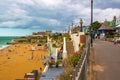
(54, 15)
(103, 4)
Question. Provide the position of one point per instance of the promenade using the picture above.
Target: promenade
(106, 64)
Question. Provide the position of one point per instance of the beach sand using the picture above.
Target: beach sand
(15, 61)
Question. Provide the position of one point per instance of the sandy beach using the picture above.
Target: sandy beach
(16, 60)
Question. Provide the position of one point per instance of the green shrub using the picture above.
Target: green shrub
(74, 59)
(82, 46)
(109, 36)
(54, 45)
(86, 33)
(51, 63)
(57, 63)
(69, 65)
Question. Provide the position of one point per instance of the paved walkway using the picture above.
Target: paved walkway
(51, 74)
(107, 61)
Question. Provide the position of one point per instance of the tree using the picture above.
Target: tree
(56, 36)
(114, 21)
(96, 25)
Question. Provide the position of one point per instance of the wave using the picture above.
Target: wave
(3, 46)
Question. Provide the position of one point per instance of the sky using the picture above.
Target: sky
(23, 17)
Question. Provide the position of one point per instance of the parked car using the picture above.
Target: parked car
(117, 40)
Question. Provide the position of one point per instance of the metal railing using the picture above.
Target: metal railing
(81, 70)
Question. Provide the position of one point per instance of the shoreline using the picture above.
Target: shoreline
(4, 46)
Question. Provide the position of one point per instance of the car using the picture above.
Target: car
(117, 40)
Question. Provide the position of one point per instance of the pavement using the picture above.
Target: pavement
(91, 72)
(104, 61)
(52, 73)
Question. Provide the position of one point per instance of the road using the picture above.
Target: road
(107, 61)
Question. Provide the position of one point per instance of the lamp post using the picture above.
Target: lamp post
(81, 22)
(91, 22)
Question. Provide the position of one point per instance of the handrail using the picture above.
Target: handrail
(81, 69)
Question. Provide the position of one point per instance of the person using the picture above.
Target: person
(93, 35)
(40, 69)
(32, 55)
(102, 35)
(98, 35)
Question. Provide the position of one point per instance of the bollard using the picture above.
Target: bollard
(79, 64)
(74, 76)
(76, 70)
(70, 76)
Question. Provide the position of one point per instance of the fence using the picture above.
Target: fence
(81, 69)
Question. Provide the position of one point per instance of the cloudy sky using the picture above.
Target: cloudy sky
(22, 17)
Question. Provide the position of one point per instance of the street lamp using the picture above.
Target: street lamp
(91, 22)
(81, 22)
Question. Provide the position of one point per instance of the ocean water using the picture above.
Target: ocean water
(4, 40)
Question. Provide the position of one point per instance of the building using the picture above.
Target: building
(118, 21)
(105, 29)
(86, 29)
(49, 33)
(46, 33)
(118, 25)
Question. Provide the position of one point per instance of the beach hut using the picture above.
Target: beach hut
(105, 29)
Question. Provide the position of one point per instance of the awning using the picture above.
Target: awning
(118, 25)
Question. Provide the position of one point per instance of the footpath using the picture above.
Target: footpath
(91, 72)
(104, 61)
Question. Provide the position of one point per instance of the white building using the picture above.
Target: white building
(76, 40)
(118, 21)
(118, 25)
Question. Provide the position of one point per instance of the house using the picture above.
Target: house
(39, 34)
(86, 29)
(46, 33)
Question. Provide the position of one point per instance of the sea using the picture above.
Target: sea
(4, 40)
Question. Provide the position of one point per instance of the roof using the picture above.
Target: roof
(105, 26)
(118, 25)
